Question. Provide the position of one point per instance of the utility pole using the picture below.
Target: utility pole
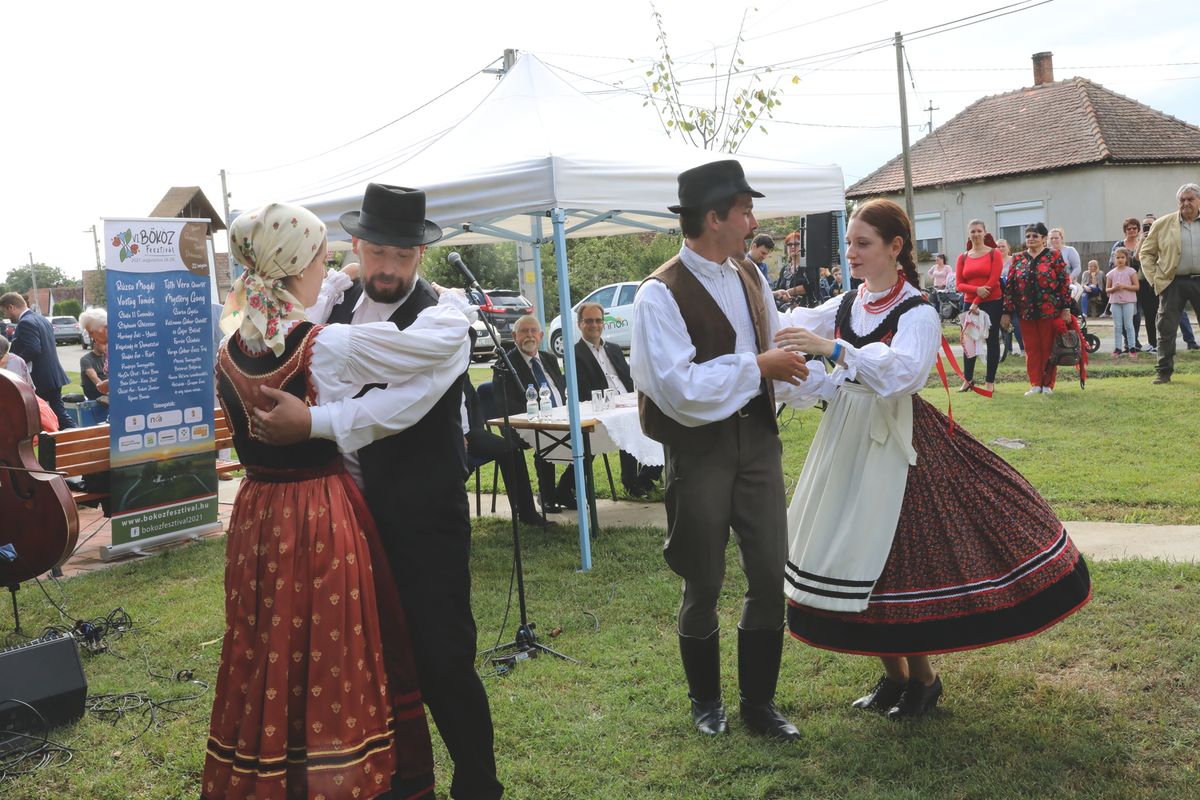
(510, 58)
(932, 108)
(908, 190)
(225, 197)
(33, 276)
(96, 242)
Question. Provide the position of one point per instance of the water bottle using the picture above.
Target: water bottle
(544, 401)
(531, 402)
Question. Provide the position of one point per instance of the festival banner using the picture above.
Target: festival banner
(160, 354)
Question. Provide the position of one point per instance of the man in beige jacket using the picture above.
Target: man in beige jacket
(1170, 256)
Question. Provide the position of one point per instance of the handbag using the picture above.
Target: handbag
(1065, 350)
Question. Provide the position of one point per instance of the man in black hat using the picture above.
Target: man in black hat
(414, 479)
(708, 376)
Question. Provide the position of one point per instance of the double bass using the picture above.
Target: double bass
(39, 523)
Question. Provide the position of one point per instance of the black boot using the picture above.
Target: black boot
(702, 666)
(759, 655)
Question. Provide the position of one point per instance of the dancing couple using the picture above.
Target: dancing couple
(905, 536)
(346, 609)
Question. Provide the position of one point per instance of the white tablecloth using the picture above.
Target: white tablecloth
(618, 429)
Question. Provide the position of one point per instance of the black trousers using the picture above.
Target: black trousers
(487, 445)
(994, 309)
(1148, 305)
(429, 546)
(53, 398)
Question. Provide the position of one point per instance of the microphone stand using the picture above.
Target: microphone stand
(525, 642)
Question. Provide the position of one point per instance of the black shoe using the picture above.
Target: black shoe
(1161, 379)
(551, 508)
(634, 490)
(764, 719)
(917, 699)
(1193, 346)
(709, 717)
(885, 695)
(568, 503)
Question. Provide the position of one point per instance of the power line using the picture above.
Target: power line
(370, 133)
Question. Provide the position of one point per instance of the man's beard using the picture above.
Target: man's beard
(388, 295)
(531, 352)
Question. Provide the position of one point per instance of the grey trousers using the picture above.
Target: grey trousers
(735, 482)
(1170, 308)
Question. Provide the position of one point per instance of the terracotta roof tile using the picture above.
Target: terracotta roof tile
(1068, 123)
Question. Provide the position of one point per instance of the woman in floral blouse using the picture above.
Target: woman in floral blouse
(1037, 292)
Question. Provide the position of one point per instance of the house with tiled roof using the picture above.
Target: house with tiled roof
(1069, 153)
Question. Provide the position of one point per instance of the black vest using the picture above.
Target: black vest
(422, 468)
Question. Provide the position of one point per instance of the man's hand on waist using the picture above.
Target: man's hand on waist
(288, 422)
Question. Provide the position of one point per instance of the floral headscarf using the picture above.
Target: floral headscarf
(272, 243)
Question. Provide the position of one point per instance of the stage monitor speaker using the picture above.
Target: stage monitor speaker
(48, 675)
(821, 235)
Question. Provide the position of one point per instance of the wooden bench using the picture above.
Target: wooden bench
(77, 452)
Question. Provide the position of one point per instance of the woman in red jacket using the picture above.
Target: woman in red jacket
(977, 276)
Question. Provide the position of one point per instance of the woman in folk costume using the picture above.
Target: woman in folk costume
(316, 694)
(908, 536)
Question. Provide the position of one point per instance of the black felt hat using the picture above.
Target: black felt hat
(392, 215)
(701, 185)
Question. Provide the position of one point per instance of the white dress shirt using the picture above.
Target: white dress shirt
(901, 368)
(606, 366)
(662, 356)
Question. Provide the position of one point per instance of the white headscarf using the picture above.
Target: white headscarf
(272, 243)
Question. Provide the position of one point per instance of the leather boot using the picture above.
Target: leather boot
(702, 666)
(759, 656)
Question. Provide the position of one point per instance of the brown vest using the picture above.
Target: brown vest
(712, 335)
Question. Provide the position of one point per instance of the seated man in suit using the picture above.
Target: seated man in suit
(602, 365)
(483, 444)
(534, 368)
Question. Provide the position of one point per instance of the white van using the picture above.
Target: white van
(617, 300)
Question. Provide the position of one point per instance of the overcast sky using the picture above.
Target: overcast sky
(112, 103)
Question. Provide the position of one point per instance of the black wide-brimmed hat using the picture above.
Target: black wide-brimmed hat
(392, 215)
(701, 185)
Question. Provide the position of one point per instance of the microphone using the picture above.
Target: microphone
(456, 260)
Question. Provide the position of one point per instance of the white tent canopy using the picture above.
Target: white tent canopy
(537, 148)
(537, 143)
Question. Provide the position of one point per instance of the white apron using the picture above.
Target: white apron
(847, 502)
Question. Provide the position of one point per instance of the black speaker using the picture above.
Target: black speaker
(48, 675)
(820, 251)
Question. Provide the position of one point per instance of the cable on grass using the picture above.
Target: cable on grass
(23, 753)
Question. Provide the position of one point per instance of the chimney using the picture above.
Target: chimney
(1043, 68)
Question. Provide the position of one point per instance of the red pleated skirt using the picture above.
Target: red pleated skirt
(315, 697)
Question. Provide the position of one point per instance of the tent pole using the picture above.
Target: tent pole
(539, 309)
(559, 217)
(840, 216)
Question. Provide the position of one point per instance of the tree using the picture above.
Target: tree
(20, 279)
(493, 265)
(735, 110)
(68, 308)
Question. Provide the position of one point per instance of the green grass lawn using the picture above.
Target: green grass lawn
(1104, 705)
(1142, 470)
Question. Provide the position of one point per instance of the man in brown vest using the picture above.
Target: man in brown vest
(707, 377)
